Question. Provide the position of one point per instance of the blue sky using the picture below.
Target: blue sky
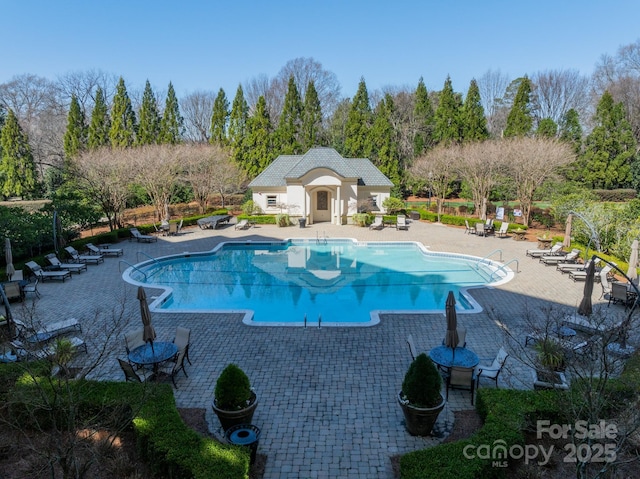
(207, 45)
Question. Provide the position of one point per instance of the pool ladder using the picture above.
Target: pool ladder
(319, 321)
(323, 239)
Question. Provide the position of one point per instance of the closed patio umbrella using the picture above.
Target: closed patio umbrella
(586, 308)
(148, 334)
(451, 338)
(8, 255)
(632, 272)
(566, 243)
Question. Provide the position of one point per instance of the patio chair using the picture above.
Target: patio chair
(462, 378)
(31, 287)
(139, 237)
(493, 370)
(377, 223)
(40, 273)
(12, 290)
(480, 230)
(130, 374)
(173, 229)
(93, 249)
(570, 257)
(462, 337)
(619, 294)
(469, 229)
(73, 267)
(133, 339)
(401, 223)
(83, 258)
(172, 368)
(537, 253)
(502, 232)
(183, 340)
(179, 227)
(412, 347)
(604, 280)
(242, 225)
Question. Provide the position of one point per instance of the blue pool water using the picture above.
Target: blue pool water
(341, 281)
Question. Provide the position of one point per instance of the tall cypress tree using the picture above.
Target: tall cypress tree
(447, 117)
(610, 149)
(356, 141)
(75, 137)
(123, 118)
(17, 168)
(385, 145)
(149, 128)
(474, 122)
(570, 129)
(311, 118)
(172, 124)
(257, 142)
(219, 119)
(423, 114)
(288, 131)
(238, 123)
(519, 120)
(100, 123)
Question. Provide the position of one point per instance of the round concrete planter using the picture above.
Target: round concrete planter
(419, 421)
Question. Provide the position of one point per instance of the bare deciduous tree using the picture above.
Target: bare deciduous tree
(196, 110)
(558, 91)
(83, 84)
(492, 86)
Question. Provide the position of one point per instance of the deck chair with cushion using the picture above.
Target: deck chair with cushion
(502, 232)
(537, 253)
(570, 257)
(401, 223)
(183, 340)
(462, 378)
(43, 275)
(73, 267)
(140, 238)
(83, 258)
(377, 223)
(493, 370)
(93, 249)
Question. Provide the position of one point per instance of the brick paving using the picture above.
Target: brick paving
(327, 396)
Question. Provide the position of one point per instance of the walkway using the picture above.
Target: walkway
(327, 396)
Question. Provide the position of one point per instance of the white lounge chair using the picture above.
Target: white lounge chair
(40, 273)
(537, 253)
(502, 232)
(47, 332)
(469, 229)
(104, 251)
(83, 258)
(570, 257)
(377, 223)
(73, 267)
(243, 225)
(401, 223)
(139, 237)
(573, 267)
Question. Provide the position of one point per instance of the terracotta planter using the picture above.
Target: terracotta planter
(419, 421)
(233, 418)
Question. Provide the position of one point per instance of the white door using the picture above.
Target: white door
(322, 210)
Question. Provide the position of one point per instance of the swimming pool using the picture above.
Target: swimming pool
(334, 282)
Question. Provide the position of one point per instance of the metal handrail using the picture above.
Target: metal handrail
(501, 268)
(132, 266)
(147, 255)
(487, 257)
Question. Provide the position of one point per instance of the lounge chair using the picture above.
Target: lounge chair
(493, 371)
(469, 229)
(573, 267)
(73, 267)
(46, 351)
(83, 258)
(139, 237)
(377, 223)
(401, 223)
(587, 325)
(242, 225)
(570, 257)
(502, 232)
(104, 251)
(40, 273)
(537, 253)
(47, 332)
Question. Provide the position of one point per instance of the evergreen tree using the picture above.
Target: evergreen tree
(17, 168)
(237, 124)
(447, 117)
(100, 123)
(570, 129)
(288, 131)
(149, 128)
(547, 128)
(356, 141)
(123, 119)
(172, 124)
(519, 120)
(474, 122)
(610, 149)
(424, 118)
(219, 119)
(384, 142)
(75, 137)
(257, 143)
(311, 118)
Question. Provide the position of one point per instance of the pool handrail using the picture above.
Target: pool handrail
(503, 266)
(482, 260)
(138, 253)
(132, 266)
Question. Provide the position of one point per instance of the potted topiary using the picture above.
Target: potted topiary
(549, 365)
(420, 399)
(234, 400)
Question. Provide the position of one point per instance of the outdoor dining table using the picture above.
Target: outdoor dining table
(152, 354)
(445, 357)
